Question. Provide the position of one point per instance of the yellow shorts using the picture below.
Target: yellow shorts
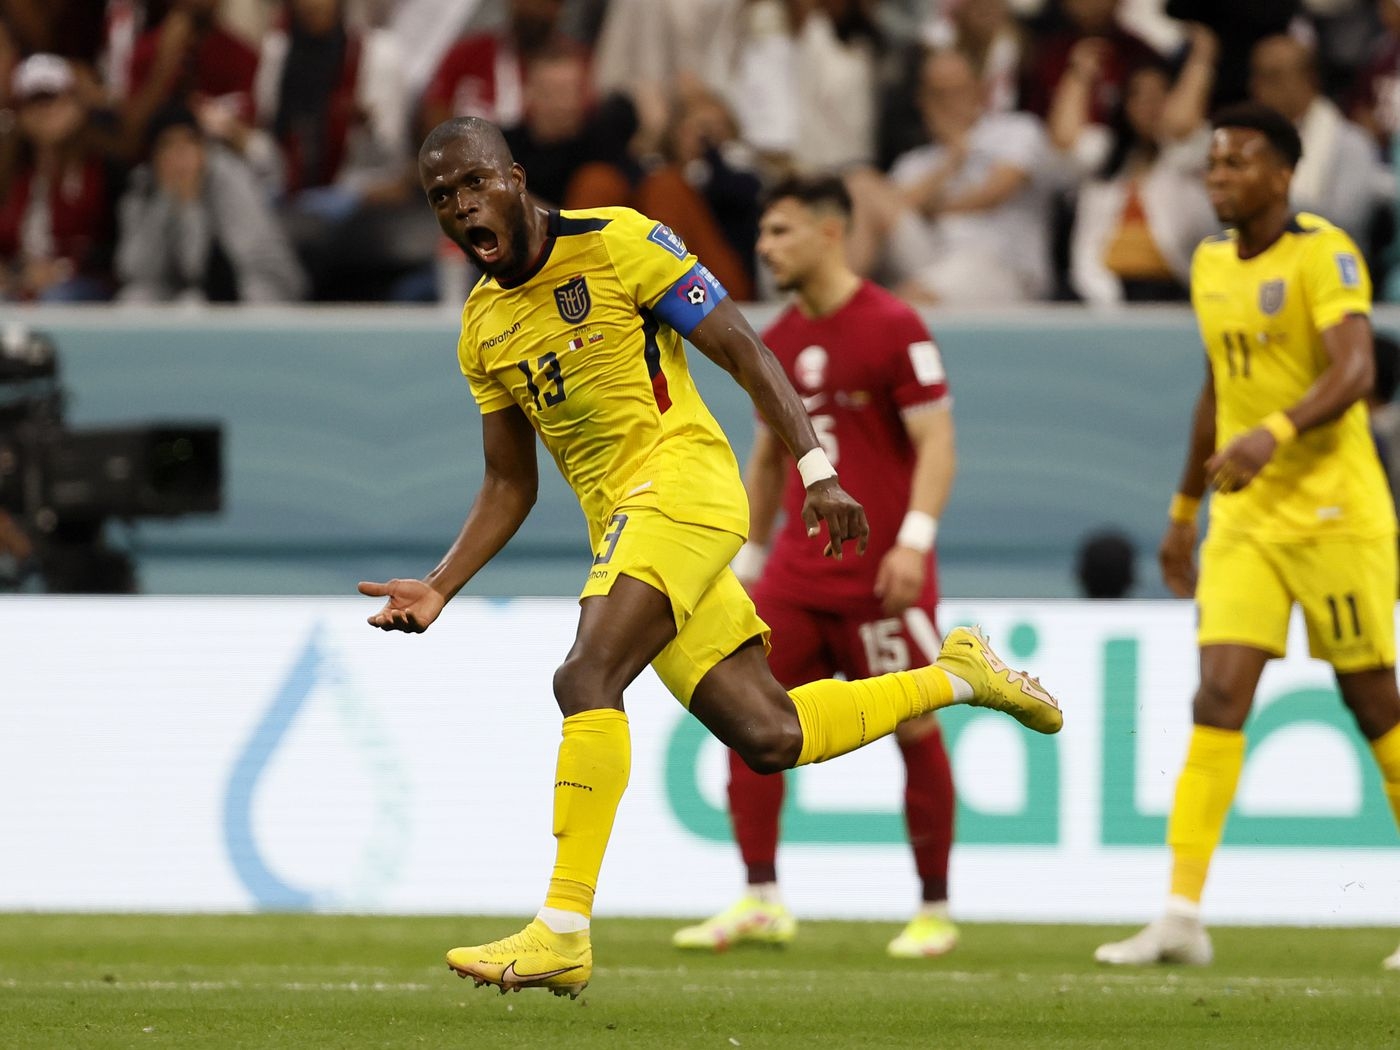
(690, 565)
(1347, 588)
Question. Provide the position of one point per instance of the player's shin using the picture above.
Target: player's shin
(838, 717)
(595, 759)
(1387, 752)
(1204, 793)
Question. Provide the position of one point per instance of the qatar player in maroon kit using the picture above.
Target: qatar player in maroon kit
(873, 382)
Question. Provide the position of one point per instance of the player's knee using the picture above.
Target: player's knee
(771, 746)
(579, 686)
(1215, 706)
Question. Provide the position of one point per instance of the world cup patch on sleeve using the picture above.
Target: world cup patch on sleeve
(665, 237)
(1348, 269)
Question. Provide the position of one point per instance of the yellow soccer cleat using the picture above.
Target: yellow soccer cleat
(925, 937)
(749, 921)
(967, 654)
(536, 957)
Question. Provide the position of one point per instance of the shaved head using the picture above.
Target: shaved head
(482, 139)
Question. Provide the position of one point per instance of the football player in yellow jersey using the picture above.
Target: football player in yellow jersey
(575, 334)
(1300, 511)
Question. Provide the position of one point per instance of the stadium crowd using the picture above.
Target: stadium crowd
(997, 150)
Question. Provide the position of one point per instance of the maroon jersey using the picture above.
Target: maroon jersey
(856, 371)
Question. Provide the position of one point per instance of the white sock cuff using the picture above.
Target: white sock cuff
(1183, 907)
(561, 920)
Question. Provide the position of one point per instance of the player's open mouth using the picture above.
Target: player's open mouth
(484, 243)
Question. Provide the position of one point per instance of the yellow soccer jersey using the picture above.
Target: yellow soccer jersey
(1261, 320)
(588, 342)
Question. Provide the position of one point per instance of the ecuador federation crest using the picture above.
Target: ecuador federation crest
(1271, 296)
(573, 300)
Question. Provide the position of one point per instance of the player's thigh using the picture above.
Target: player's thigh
(723, 620)
(798, 651)
(679, 559)
(1241, 596)
(1347, 591)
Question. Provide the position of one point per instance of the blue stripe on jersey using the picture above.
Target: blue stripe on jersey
(689, 301)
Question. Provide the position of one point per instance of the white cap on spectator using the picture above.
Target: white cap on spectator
(42, 75)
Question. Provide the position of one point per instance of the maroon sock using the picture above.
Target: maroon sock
(928, 811)
(755, 800)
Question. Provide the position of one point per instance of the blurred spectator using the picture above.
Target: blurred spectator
(657, 42)
(55, 199)
(1374, 102)
(806, 83)
(991, 38)
(1144, 207)
(1105, 565)
(1119, 53)
(188, 59)
(1340, 176)
(963, 220)
(562, 130)
(332, 141)
(993, 41)
(701, 181)
(1239, 25)
(1385, 413)
(483, 74)
(196, 226)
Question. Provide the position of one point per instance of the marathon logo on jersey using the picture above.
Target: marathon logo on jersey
(496, 340)
(1271, 296)
(1349, 269)
(573, 299)
(665, 237)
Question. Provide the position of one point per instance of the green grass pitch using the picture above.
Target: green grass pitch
(306, 982)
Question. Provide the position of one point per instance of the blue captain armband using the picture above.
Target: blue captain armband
(689, 301)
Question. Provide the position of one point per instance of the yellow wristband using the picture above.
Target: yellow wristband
(1183, 509)
(1280, 426)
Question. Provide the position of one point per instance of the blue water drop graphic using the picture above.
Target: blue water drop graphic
(316, 668)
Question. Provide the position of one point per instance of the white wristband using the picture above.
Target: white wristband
(748, 562)
(814, 467)
(918, 531)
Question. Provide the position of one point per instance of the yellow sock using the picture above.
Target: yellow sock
(1387, 752)
(837, 717)
(1204, 792)
(595, 758)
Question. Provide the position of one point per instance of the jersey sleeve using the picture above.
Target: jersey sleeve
(918, 377)
(1335, 279)
(487, 391)
(660, 274)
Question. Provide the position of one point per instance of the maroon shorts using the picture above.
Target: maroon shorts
(859, 642)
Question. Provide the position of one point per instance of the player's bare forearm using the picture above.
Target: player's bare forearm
(936, 458)
(1349, 376)
(763, 482)
(496, 515)
(727, 339)
(507, 493)
(1202, 440)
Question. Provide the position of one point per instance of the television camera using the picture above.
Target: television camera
(60, 485)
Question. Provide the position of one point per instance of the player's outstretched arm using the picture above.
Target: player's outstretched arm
(507, 493)
(727, 339)
(1177, 554)
(1348, 377)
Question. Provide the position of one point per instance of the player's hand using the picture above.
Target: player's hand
(412, 605)
(1177, 556)
(1235, 465)
(845, 520)
(900, 579)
